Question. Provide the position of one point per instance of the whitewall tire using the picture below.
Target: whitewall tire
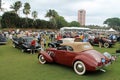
(42, 59)
(79, 67)
(106, 45)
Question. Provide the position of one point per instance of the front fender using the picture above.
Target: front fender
(47, 57)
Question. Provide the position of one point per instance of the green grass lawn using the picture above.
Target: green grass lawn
(15, 65)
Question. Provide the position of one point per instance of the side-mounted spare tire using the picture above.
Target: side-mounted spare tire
(106, 45)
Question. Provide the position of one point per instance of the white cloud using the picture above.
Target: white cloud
(97, 11)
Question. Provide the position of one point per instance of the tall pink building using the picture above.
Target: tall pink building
(81, 17)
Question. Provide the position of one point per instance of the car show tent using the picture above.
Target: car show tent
(63, 29)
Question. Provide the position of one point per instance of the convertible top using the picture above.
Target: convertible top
(79, 46)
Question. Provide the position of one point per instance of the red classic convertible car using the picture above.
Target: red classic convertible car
(79, 55)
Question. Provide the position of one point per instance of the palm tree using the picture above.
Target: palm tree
(49, 14)
(26, 9)
(34, 15)
(52, 14)
(16, 6)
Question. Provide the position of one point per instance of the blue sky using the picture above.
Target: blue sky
(97, 11)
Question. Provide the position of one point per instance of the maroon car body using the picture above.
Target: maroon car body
(107, 43)
(79, 55)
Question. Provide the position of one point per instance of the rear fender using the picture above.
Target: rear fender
(86, 60)
(47, 57)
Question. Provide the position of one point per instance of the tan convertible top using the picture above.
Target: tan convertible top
(79, 46)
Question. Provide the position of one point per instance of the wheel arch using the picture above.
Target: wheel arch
(79, 58)
(79, 67)
(85, 59)
(47, 57)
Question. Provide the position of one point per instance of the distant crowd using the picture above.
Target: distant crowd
(42, 36)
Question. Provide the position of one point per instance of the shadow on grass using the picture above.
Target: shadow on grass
(94, 73)
(71, 70)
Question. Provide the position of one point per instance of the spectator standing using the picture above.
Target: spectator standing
(33, 43)
(81, 37)
(44, 40)
(58, 36)
(42, 43)
(100, 40)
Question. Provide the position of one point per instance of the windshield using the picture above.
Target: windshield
(29, 39)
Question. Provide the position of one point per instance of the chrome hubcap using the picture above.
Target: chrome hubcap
(79, 67)
(42, 58)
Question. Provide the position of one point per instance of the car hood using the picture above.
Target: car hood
(94, 55)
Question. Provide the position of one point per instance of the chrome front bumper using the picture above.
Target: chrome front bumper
(103, 65)
(38, 49)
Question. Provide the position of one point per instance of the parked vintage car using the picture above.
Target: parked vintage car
(58, 42)
(3, 39)
(79, 55)
(24, 43)
(118, 38)
(107, 43)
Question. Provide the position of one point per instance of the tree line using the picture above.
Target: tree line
(113, 23)
(11, 19)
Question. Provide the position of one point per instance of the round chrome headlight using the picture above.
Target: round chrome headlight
(103, 60)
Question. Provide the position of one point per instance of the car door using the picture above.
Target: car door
(64, 56)
(21, 40)
(24, 43)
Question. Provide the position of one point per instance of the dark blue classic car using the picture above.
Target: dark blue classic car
(24, 43)
(3, 39)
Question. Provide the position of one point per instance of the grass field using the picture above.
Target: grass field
(15, 65)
